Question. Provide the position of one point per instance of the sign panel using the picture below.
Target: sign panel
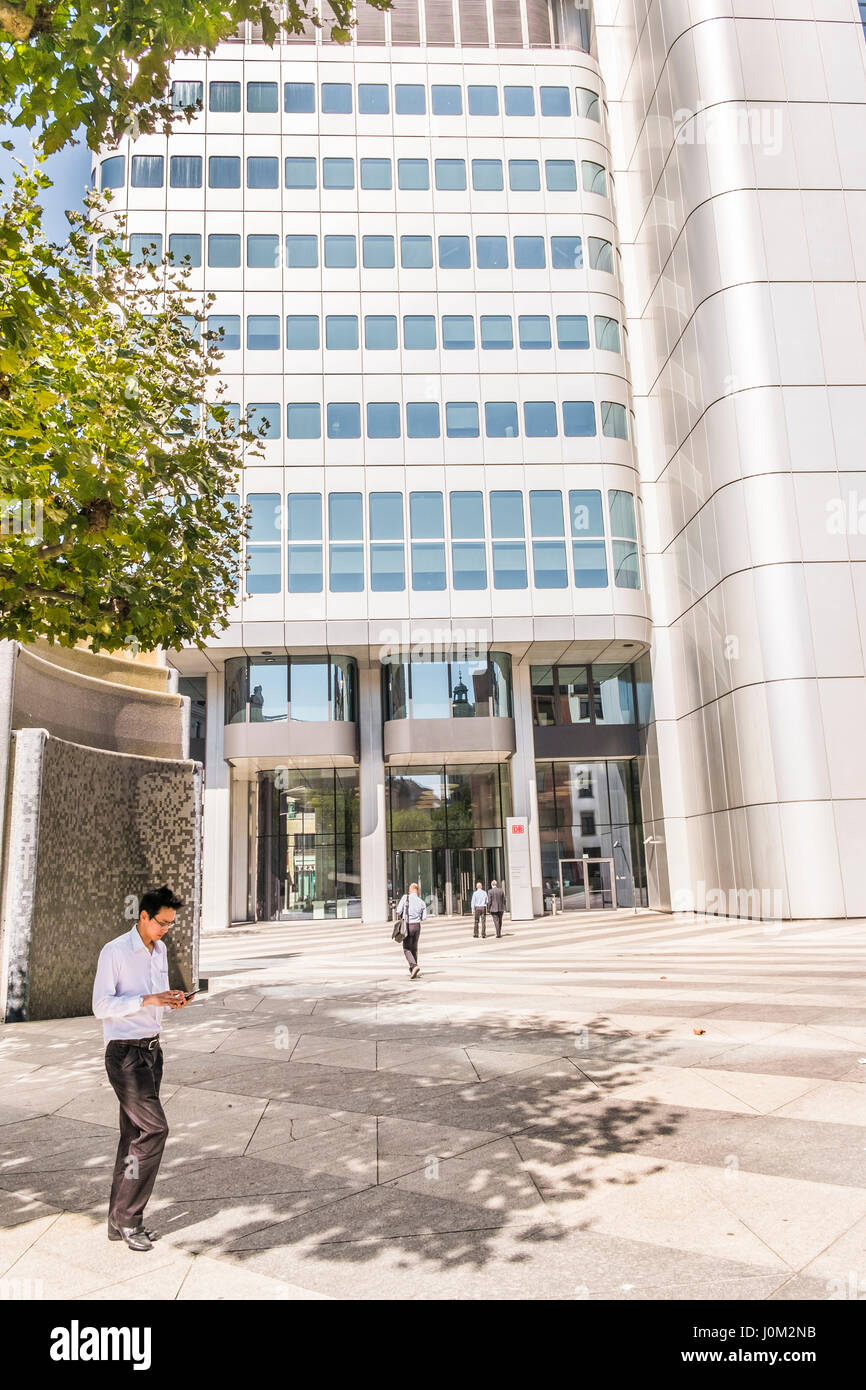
(519, 876)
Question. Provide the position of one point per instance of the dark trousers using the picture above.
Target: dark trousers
(135, 1073)
(410, 946)
(497, 922)
(480, 917)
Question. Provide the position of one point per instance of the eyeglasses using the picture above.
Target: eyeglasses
(160, 923)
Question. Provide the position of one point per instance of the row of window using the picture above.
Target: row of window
(374, 99)
(338, 172)
(470, 526)
(340, 251)
(423, 419)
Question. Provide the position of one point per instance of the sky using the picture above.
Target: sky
(69, 169)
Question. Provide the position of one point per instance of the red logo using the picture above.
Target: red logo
(518, 829)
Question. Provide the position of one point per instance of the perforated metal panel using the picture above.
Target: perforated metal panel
(439, 22)
(371, 25)
(507, 27)
(473, 23)
(405, 23)
(538, 23)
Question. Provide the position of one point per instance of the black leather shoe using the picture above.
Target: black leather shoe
(136, 1237)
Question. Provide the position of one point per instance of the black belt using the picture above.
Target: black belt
(150, 1043)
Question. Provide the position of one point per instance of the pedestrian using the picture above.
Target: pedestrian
(413, 909)
(496, 904)
(130, 995)
(479, 909)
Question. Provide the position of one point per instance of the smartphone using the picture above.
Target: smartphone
(191, 994)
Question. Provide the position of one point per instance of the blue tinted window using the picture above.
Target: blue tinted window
(386, 516)
(185, 247)
(147, 171)
(549, 565)
(372, 99)
(380, 332)
(383, 420)
(305, 569)
(305, 516)
(410, 99)
(426, 516)
(223, 250)
(387, 569)
(416, 252)
(224, 171)
(458, 331)
(186, 171)
(300, 172)
(468, 564)
(299, 97)
(461, 419)
(419, 332)
(346, 569)
(338, 173)
(491, 252)
(613, 420)
(447, 101)
(262, 96)
(523, 175)
(413, 173)
(304, 420)
(345, 516)
(378, 252)
(509, 564)
(578, 418)
(336, 99)
(230, 327)
(555, 101)
(584, 505)
(534, 331)
(344, 420)
(496, 332)
(529, 253)
(264, 516)
(232, 419)
(483, 101)
(621, 511)
(539, 419)
(302, 252)
(341, 332)
(593, 177)
(600, 254)
(263, 251)
(112, 172)
(375, 173)
(185, 94)
(145, 247)
(560, 175)
(263, 332)
(590, 564)
(302, 332)
(264, 418)
(566, 253)
(341, 253)
(572, 331)
(467, 516)
(422, 419)
(192, 325)
(450, 173)
(519, 101)
(487, 174)
(454, 252)
(545, 513)
(263, 171)
(224, 96)
(500, 419)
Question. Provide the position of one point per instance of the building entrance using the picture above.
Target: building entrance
(446, 878)
(587, 883)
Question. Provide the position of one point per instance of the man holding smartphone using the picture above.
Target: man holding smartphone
(130, 995)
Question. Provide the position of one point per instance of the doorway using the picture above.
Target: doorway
(587, 883)
(446, 878)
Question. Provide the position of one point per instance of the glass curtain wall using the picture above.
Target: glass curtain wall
(309, 858)
(592, 808)
(469, 688)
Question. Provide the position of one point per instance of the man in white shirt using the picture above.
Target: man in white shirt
(479, 909)
(130, 995)
(413, 909)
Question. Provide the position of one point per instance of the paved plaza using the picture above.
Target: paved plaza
(601, 1106)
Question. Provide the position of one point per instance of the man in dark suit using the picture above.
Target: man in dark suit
(496, 905)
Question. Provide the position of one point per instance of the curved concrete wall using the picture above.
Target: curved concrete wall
(333, 740)
(448, 740)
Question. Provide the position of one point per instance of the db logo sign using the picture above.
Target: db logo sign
(518, 829)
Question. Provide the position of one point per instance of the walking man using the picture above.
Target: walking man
(479, 909)
(413, 909)
(496, 904)
(130, 995)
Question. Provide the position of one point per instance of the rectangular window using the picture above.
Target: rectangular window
(529, 253)
(263, 332)
(549, 566)
(305, 542)
(262, 97)
(224, 171)
(487, 175)
(587, 104)
(560, 175)
(447, 100)
(427, 550)
(497, 334)
(621, 511)
(572, 332)
(458, 332)
(228, 330)
(185, 248)
(229, 417)
(468, 560)
(304, 420)
(519, 101)
(606, 334)
(336, 99)
(416, 252)
(380, 332)
(533, 332)
(500, 419)
(223, 250)
(593, 178)
(578, 419)
(454, 253)
(300, 172)
(555, 101)
(145, 247)
(263, 251)
(523, 175)
(378, 252)
(345, 532)
(509, 547)
(112, 172)
(383, 420)
(344, 420)
(375, 173)
(264, 418)
(386, 516)
(372, 99)
(413, 173)
(491, 252)
(338, 173)
(147, 170)
(341, 332)
(346, 569)
(587, 531)
(224, 97)
(613, 420)
(410, 99)
(341, 252)
(566, 253)
(186, 94)
(387, 568)
(302, 333)
(450, 174)
(299, 97)
(302, 252)
(461, 419)
(185, 171)
(263, 171)
(263, 543)
(613, 693)
(419, 332)
(600, 254)
(483, 101)
(539, 419)
(422, 420)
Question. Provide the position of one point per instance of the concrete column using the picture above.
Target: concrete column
(374, 845)
(8, 660)
(524, 791)
(217, 817)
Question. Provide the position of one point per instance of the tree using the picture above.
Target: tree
(114, 463)
(104, 66)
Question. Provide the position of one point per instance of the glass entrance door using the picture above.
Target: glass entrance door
(587, 883)
(572, 884)
(426, 867)
(446, 878)
(468, 867)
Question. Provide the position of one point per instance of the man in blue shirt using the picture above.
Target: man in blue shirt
(130, 995)
(479, 909)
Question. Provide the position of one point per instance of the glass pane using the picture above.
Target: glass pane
(585, 508)
(450, 174)
(483, 101)
(308, 687)
(262, 96)
(467, 516)
(263, 575)
(500, 419)
(269, 689)
(225, 96)
(186, 171)
(264, 418)
(613, 693)
(263, 171)
(305, 516)
(341, 332)
(431, 695)
(375, 173)
(185, 247)
(302, 332)
(428, 567)
(572, 331)
(626, 574)
(491, 252)
(578, 419)
(416, 252)
(523, 175)
(469, 565)
(543, 699)
(590, 564)
(509, 565)
(519, 101)
(600, 254)
(373, 99)
(447, 101)
(338, 173)
(145, 248)
(346, 569)
(228, 329)
(549, 565)
(413, 173)
(534, 331)
(263, 252)
(587, 104)
(422, 419)
(454, 252)
(545, 511)
(147, 170)
(506, 514)
(112, 172)
(419, 331)
(593, 177)
(299, 97)
(573, 695)
(223, 171)
(529, 253)
(223, 250)
(539, 419)
(458, 332)
(622, 519)
(461, 419)
(560, 175)
(378, 252)
(263, 332)
(387, 569)
(487, 174)
(300, 172)
(410, 99)
(613, 420)
(386, 516)
(264, 516)
(555, 101)
(380, 332)
(336, 99)
(345, 516)
(426, 516)
(305, 569)
(566, 253)
(606, 334)
(304, 421)
(496, 332)
(383, 420)
(236, 689)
